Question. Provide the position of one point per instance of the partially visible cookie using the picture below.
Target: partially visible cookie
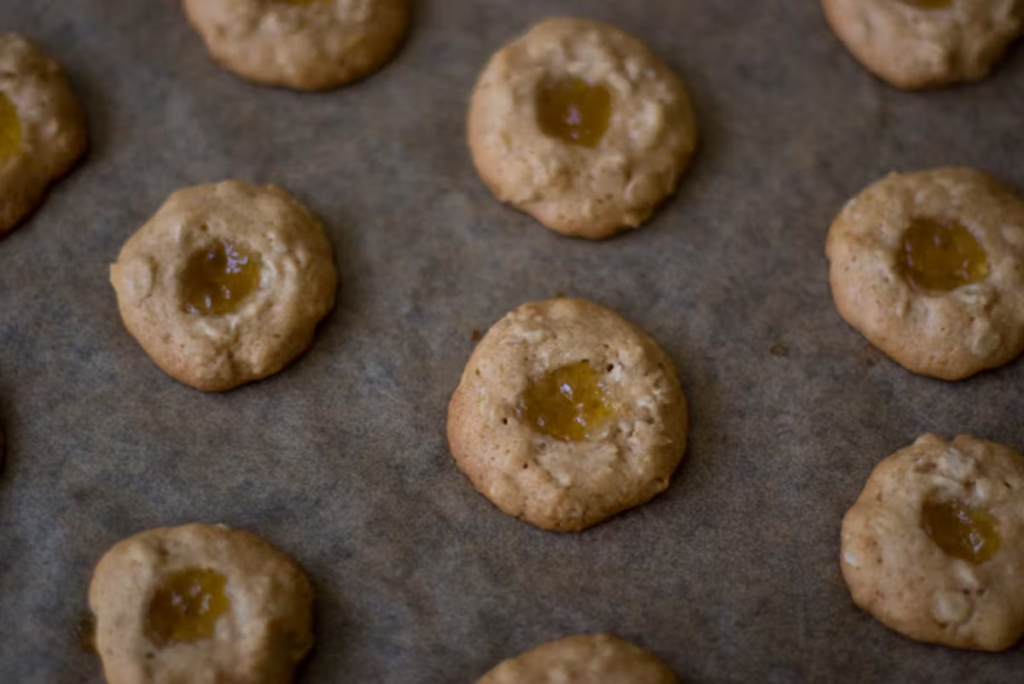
(42, 127)
(200, 603)
(583, 659)
(301, 44)
(581, 126)
(926, 43)
(930, 268)
(932, 547)
(226, 283)
(567, 414)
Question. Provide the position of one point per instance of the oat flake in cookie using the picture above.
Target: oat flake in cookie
(42, 128)
(930, 268)
(581, 126)
(932, 547)
(583, 659)
(200, 604)
(301, 44)
(926, 43)
(567, 414)
(226, 283)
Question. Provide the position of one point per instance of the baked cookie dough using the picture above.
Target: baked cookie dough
(583, 659)
(226, 283)
(916, 44)
(567, 414)
(932, 546)
(42, 128)
(930, 268)
(301, 44)
(200, 604)
(581, 126)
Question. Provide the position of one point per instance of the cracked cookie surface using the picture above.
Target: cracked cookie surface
(581, 126)
(226, 283)
(932, 545)
(567, 414)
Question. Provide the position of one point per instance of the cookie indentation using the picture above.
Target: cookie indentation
(941, 257)
(219, 278)
(10, 128)
(567, 403)
(961, 531)
(573, 111)
(186, 607)
(929, 4)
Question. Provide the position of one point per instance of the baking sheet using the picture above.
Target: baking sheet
(732, 576)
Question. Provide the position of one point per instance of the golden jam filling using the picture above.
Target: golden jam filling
(186, 607)
(10, 128)
(942, 257)
(567, 403)
(217, 279)
(573, 111)
(929, 4)
(961, 532)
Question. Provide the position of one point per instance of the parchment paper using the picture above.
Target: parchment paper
(732, 575)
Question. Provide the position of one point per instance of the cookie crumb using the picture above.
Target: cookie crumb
(86, 633)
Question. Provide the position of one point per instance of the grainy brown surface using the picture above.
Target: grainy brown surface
(732, 576)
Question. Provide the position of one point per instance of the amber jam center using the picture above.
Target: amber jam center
(10, 128)
(942, 257)
(928, 4)
(960, 531)
(573, 111)
(186, 607)
(218, 278)
(567, 403)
